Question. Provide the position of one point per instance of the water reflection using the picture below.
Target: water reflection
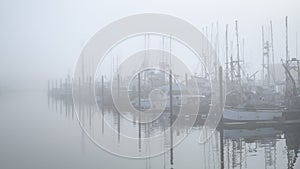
(239, 147)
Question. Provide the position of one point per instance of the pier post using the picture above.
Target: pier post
(48, 87)
(102, 91)
(60, 88)
(56, 85)
(52, 86)
(119, 126)
(186, 79)
(60, 83)
(66, 83)
(118, 78)
(102, 102)
(221, 127)
(171, 117)
(139, 97)
(139, 90)
(79, 86)
(90, 87)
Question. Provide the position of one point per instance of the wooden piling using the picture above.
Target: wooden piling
(171, 117)
(139, 97)
(221, 127)
(118, 78)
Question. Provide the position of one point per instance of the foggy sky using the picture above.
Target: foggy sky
(41, 40)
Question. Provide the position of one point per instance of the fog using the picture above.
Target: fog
(41, 40)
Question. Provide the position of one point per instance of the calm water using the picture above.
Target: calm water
(41, 133)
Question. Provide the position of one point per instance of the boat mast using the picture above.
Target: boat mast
(226, 35)
(266, 55)
(231, 64)
(170, 50)
(286, 38)
(243, 56)
(286, 53)
(263, 57)
(273, 55)
(207, 52)
(238, 53)
(268, 62)
(296, 45)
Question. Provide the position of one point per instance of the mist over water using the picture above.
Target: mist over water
(42, 133)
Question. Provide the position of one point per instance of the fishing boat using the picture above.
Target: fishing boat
(250, 106)
(244, 114)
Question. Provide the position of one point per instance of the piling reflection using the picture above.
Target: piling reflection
(236, 145)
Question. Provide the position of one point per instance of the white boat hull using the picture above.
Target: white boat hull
(244, 115)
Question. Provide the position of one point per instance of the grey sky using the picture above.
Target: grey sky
(42, 39)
